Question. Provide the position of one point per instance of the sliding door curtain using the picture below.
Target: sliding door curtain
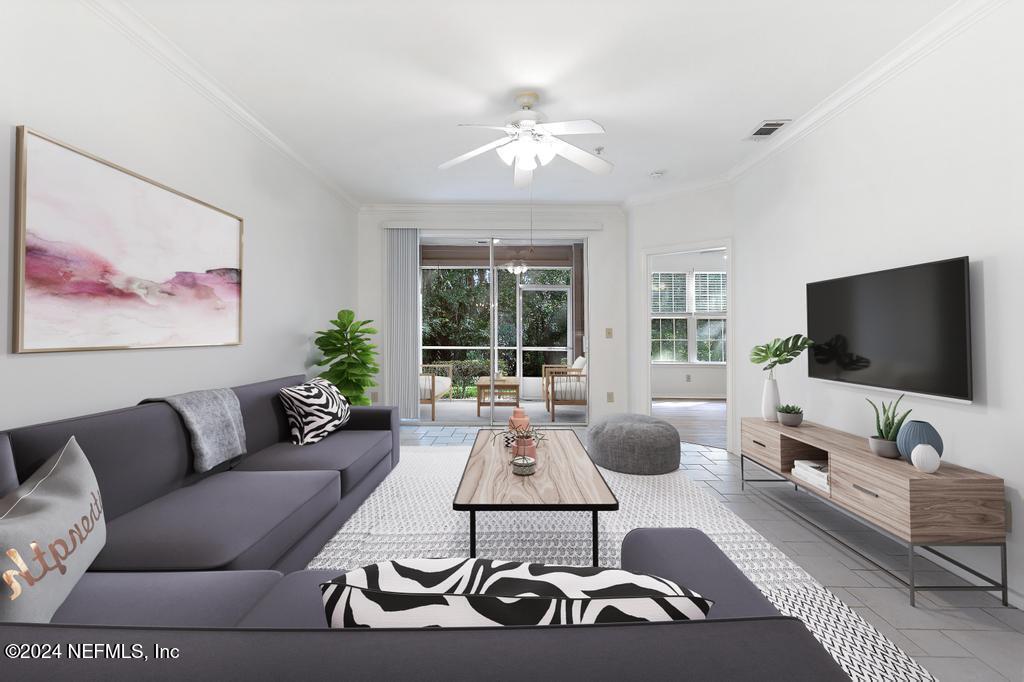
(402, 320)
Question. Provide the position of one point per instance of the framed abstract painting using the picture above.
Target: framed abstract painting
(108, 259)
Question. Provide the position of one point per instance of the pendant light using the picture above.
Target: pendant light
(519, 266)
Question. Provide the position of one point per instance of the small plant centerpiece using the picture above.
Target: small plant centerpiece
(350, 357)
(790, 415)
(772, 354)
(888, 421)
(525, 440)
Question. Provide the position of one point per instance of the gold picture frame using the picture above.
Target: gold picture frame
(53, 294)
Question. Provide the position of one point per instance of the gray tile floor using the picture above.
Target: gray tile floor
(955, 635)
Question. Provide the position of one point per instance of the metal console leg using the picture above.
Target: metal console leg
(912, 583)
(472, 534)
(596, 551)
(1002, 560)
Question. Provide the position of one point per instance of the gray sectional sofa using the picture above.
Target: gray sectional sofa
(212, 564)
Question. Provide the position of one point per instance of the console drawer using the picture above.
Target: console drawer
(764, 448)
(879, 499)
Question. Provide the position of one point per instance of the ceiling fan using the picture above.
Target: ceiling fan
(529, 140)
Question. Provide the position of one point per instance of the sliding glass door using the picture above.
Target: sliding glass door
(503, 325)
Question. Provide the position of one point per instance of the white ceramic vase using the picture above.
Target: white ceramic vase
(770, 400)
(925, 458)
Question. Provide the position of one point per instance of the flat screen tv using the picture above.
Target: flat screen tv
(907, 329)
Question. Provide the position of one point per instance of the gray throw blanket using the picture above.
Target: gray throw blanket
(214, 420)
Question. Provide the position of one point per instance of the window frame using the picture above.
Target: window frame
(692, 317)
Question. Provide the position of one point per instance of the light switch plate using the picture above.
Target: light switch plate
(611, 397)
(607, 332)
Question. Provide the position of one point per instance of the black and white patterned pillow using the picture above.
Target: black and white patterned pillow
(315, 409)
(413, 593)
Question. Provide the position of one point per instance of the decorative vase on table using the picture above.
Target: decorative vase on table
(770, 400)
(525, 447)
(925, 458)
(519, 419)
(914, 433)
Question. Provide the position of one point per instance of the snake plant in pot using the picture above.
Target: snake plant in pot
(772, 354)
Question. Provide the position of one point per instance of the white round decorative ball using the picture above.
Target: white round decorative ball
(925, 458)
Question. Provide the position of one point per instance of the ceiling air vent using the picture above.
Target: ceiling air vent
(767, 128)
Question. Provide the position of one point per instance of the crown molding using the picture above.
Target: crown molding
(491, 208)
(454, 218)
(950, 23)
(147, 37)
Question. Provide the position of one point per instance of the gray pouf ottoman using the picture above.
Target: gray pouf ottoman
(635, 444)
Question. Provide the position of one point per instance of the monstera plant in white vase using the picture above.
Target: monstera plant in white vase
(772, 354)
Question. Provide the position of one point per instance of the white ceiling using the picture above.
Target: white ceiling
(369, 91)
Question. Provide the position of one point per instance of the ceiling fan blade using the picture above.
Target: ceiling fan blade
(522, 177)
(476, 152)
(582, 127)
(488, 127)
(592, 163)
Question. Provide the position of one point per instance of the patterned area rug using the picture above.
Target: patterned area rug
(410, 515)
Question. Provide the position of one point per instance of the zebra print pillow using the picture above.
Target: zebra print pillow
(418, 593)
(315, 409)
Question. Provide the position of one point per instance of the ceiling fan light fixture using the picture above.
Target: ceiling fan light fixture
(517, 267)
(507, 153)
(531, 141)
(545, 153)
(526, 161)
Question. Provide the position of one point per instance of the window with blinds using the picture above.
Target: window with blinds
(668, 293)
(709, 292)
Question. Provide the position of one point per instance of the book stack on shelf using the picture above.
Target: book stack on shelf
(812, 472)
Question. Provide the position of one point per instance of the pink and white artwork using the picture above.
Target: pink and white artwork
(112, 260)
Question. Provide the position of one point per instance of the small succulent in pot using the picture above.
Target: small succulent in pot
(790, 415)
(888, 421)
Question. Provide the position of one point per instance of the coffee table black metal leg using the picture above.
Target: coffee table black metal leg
(594, 534)
(472, 534)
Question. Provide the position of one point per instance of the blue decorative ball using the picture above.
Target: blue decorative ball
(914, 433)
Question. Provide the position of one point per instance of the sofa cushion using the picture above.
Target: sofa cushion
(232, 520)
(352, 453)
(8, 475)
(441, 385)
(51, 529)
(210, 599)
(137, 453)
(691, 558)
(294, 602)
(483, 592)
(262, 412)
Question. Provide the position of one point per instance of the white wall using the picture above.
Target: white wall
(930, 165)
(70, 75)
(685, 220)
(689, 380)
(603, 228)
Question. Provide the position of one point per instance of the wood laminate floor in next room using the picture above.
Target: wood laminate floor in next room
(697, 421)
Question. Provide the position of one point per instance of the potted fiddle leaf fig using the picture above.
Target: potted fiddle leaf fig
(888, 421)
(350, 357)
(772, 354)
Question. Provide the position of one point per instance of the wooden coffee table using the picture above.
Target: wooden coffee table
(506, 392)
(566, 480)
